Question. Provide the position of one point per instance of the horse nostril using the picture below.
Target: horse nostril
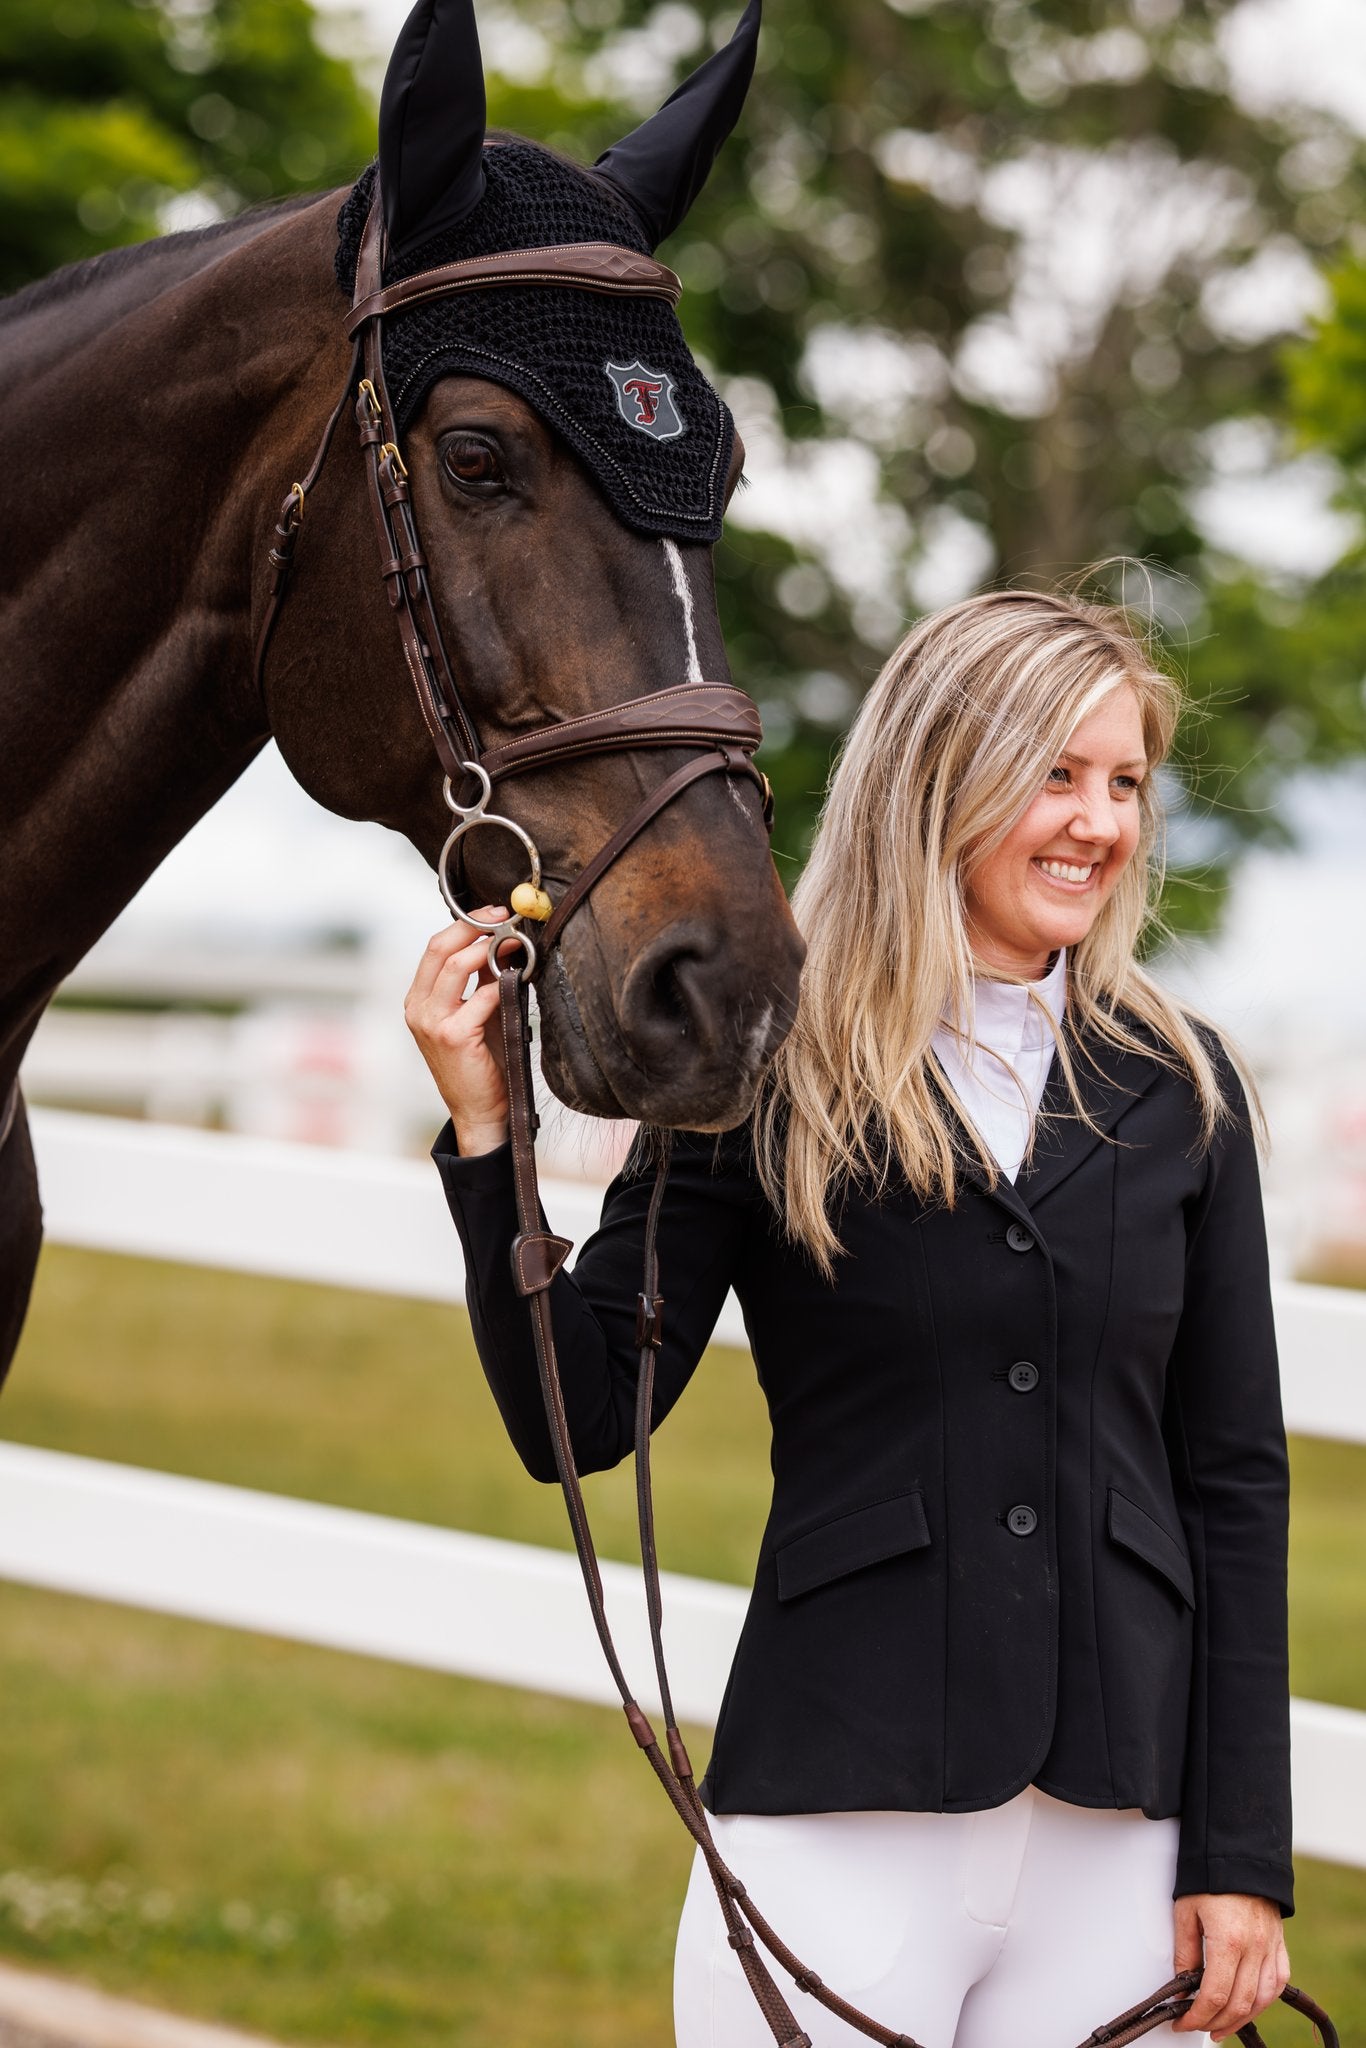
(668, 997)
(673, 991)
(686, 1025)
(695, 1003)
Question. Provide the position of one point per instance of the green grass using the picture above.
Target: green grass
(352, 1398)
(320, 1847)
(331, 1849)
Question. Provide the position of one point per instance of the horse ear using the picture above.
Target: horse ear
(431, 123)
(662, 165)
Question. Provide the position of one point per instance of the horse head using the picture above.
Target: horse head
(566, 465)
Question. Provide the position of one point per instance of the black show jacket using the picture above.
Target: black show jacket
(1029, 1470)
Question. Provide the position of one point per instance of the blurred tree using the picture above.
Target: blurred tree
(111, 109)
(1328, 380)
(1017, 263)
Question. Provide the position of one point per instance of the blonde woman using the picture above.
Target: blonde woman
(1006, 1736)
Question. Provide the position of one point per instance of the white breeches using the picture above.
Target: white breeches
(1022, 1927)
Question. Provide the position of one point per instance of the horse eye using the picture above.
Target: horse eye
(471, 463)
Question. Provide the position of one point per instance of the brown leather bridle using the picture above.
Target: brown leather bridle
(716, 720)
(723, 723)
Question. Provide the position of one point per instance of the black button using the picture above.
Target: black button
(1019, 1239)
(1022, 1521)
(1023, 1376)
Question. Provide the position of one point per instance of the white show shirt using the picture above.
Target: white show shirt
(999, 1068)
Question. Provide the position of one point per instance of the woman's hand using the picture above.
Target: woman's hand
(1246, 1967)
(458, 1035)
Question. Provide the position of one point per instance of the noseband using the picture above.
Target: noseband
(718, 723)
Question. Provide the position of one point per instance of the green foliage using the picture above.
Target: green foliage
(1278, 686)
(1327, 386)
(1328, 379)
(111, 108)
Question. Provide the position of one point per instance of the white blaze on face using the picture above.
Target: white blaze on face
(683, 592)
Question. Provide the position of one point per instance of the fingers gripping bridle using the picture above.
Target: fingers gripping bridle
(719, 724)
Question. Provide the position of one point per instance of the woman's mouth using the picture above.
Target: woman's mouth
(1066, 874)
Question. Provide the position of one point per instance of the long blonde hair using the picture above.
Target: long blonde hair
(947, 751)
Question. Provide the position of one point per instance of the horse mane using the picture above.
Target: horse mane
(108, 264)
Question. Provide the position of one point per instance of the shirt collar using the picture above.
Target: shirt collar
(1005, 1019)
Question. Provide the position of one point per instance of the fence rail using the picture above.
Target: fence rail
(304, 1212)
(450, 1601)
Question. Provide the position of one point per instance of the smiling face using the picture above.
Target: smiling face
(1045, 884)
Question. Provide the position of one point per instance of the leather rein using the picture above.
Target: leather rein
(722, 725)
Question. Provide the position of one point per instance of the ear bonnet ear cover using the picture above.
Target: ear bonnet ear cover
(660, 451)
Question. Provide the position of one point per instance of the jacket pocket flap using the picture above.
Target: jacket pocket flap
(866, 1536)
(1137, 1531)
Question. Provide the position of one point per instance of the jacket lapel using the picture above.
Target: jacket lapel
(1109, 1081)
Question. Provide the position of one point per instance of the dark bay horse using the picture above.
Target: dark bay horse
(157, 403)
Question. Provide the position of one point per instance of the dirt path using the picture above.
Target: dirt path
(48, 2012)
(13, 2036)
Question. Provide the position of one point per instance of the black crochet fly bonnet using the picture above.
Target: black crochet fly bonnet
(613, 376)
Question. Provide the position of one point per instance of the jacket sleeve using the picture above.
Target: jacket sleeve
(709, 1203)
(1228, 1441)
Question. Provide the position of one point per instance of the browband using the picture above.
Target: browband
(584, 266)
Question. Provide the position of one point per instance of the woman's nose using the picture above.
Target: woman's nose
(1094, 820)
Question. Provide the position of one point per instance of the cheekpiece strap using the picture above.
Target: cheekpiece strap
(402, 562)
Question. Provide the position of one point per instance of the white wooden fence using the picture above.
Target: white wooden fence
(506, 1612)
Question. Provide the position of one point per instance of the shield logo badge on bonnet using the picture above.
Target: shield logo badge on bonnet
(645, 399)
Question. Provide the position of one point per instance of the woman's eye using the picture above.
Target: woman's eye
(1058, 777)
(472, 463)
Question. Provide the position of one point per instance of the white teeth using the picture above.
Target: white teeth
(1062, 871)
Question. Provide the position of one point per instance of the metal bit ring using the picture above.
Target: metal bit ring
(467, 816)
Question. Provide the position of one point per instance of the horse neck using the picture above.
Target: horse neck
(157, 409)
